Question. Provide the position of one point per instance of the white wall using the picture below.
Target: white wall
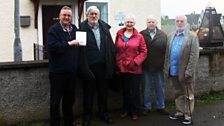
(28, 35)
(140, 8)
(6, 30)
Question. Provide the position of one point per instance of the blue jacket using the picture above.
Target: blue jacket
(62, 57)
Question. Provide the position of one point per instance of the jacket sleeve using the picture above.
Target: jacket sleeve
(83, 68)
(167, 56)
(110, 54)
(194, 55)
(142, 51)
(54, 43)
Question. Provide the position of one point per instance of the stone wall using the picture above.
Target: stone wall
(24, 87)
(24, 91)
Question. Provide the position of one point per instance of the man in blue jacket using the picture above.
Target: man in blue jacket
(63, 61)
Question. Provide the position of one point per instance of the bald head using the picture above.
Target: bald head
(151, 22)
(181, 22)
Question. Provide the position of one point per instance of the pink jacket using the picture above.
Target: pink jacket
(130, 54)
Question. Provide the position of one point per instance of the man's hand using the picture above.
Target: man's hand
(74, 43)
(186, 76)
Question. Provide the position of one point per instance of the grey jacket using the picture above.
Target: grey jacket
(189, 57)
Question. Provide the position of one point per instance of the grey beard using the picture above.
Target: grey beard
(180, 29)
(94, 22)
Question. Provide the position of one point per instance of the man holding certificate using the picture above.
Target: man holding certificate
(63, 48)
(97, 65)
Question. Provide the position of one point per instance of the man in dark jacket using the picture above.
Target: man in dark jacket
(98, 64)
(156, 41)
(63, 62)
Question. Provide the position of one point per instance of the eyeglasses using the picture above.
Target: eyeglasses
(181, 21)
(151, 22)
(92, 13)
(68, 15)
(130, 22)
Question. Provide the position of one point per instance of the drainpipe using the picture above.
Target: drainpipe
(17, 43)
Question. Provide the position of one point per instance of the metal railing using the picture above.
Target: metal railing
(40, 52)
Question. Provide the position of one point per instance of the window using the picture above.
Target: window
(102, 6)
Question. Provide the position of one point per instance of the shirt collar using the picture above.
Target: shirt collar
(180, 34)
(97, 26)
(68, 29)
(154, 31)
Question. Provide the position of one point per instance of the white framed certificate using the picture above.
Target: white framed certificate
(81, 36)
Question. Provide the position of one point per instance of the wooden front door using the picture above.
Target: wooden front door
(50, 16)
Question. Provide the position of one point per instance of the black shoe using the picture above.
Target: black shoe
(175, 116)
(163, 111)
(107, 119)
(77, 123)
(86, 120)
(146, 112)
(187, 121)
(134, 117)
(86, 123)
(123, 114)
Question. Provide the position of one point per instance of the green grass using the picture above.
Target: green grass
(210, 98)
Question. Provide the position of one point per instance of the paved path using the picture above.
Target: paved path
(205, 115)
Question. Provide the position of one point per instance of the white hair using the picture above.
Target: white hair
(151, 17)
(92, 8)
(183, 16)
(129, 16)
(182, 28)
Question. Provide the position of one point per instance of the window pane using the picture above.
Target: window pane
(103, 7)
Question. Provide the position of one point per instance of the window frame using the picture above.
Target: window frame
(102, 6)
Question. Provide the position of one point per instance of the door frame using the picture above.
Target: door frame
(74, 6)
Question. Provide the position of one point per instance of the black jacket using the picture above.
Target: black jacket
(90, 54)
(62, 57)
(156, 50)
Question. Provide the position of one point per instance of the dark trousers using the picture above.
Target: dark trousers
(131, 92)
(62, 89)
(100, 84)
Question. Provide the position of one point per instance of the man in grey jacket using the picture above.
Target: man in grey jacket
(180, 63)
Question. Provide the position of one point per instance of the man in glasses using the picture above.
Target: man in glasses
(63, 63)
(182, 54)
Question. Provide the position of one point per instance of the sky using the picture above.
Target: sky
(172, 8)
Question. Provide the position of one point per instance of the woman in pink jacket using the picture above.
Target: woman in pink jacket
(131, 51)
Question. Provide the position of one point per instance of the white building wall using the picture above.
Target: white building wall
(6, 30)
(28, 35)
(140, 8)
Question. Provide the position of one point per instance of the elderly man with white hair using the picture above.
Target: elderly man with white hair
(180, 63)
(98, 63)
(156, 41)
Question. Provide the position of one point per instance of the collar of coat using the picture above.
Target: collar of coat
(121, 32)
(102, 24)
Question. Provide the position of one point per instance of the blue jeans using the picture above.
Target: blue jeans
(158, 79)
